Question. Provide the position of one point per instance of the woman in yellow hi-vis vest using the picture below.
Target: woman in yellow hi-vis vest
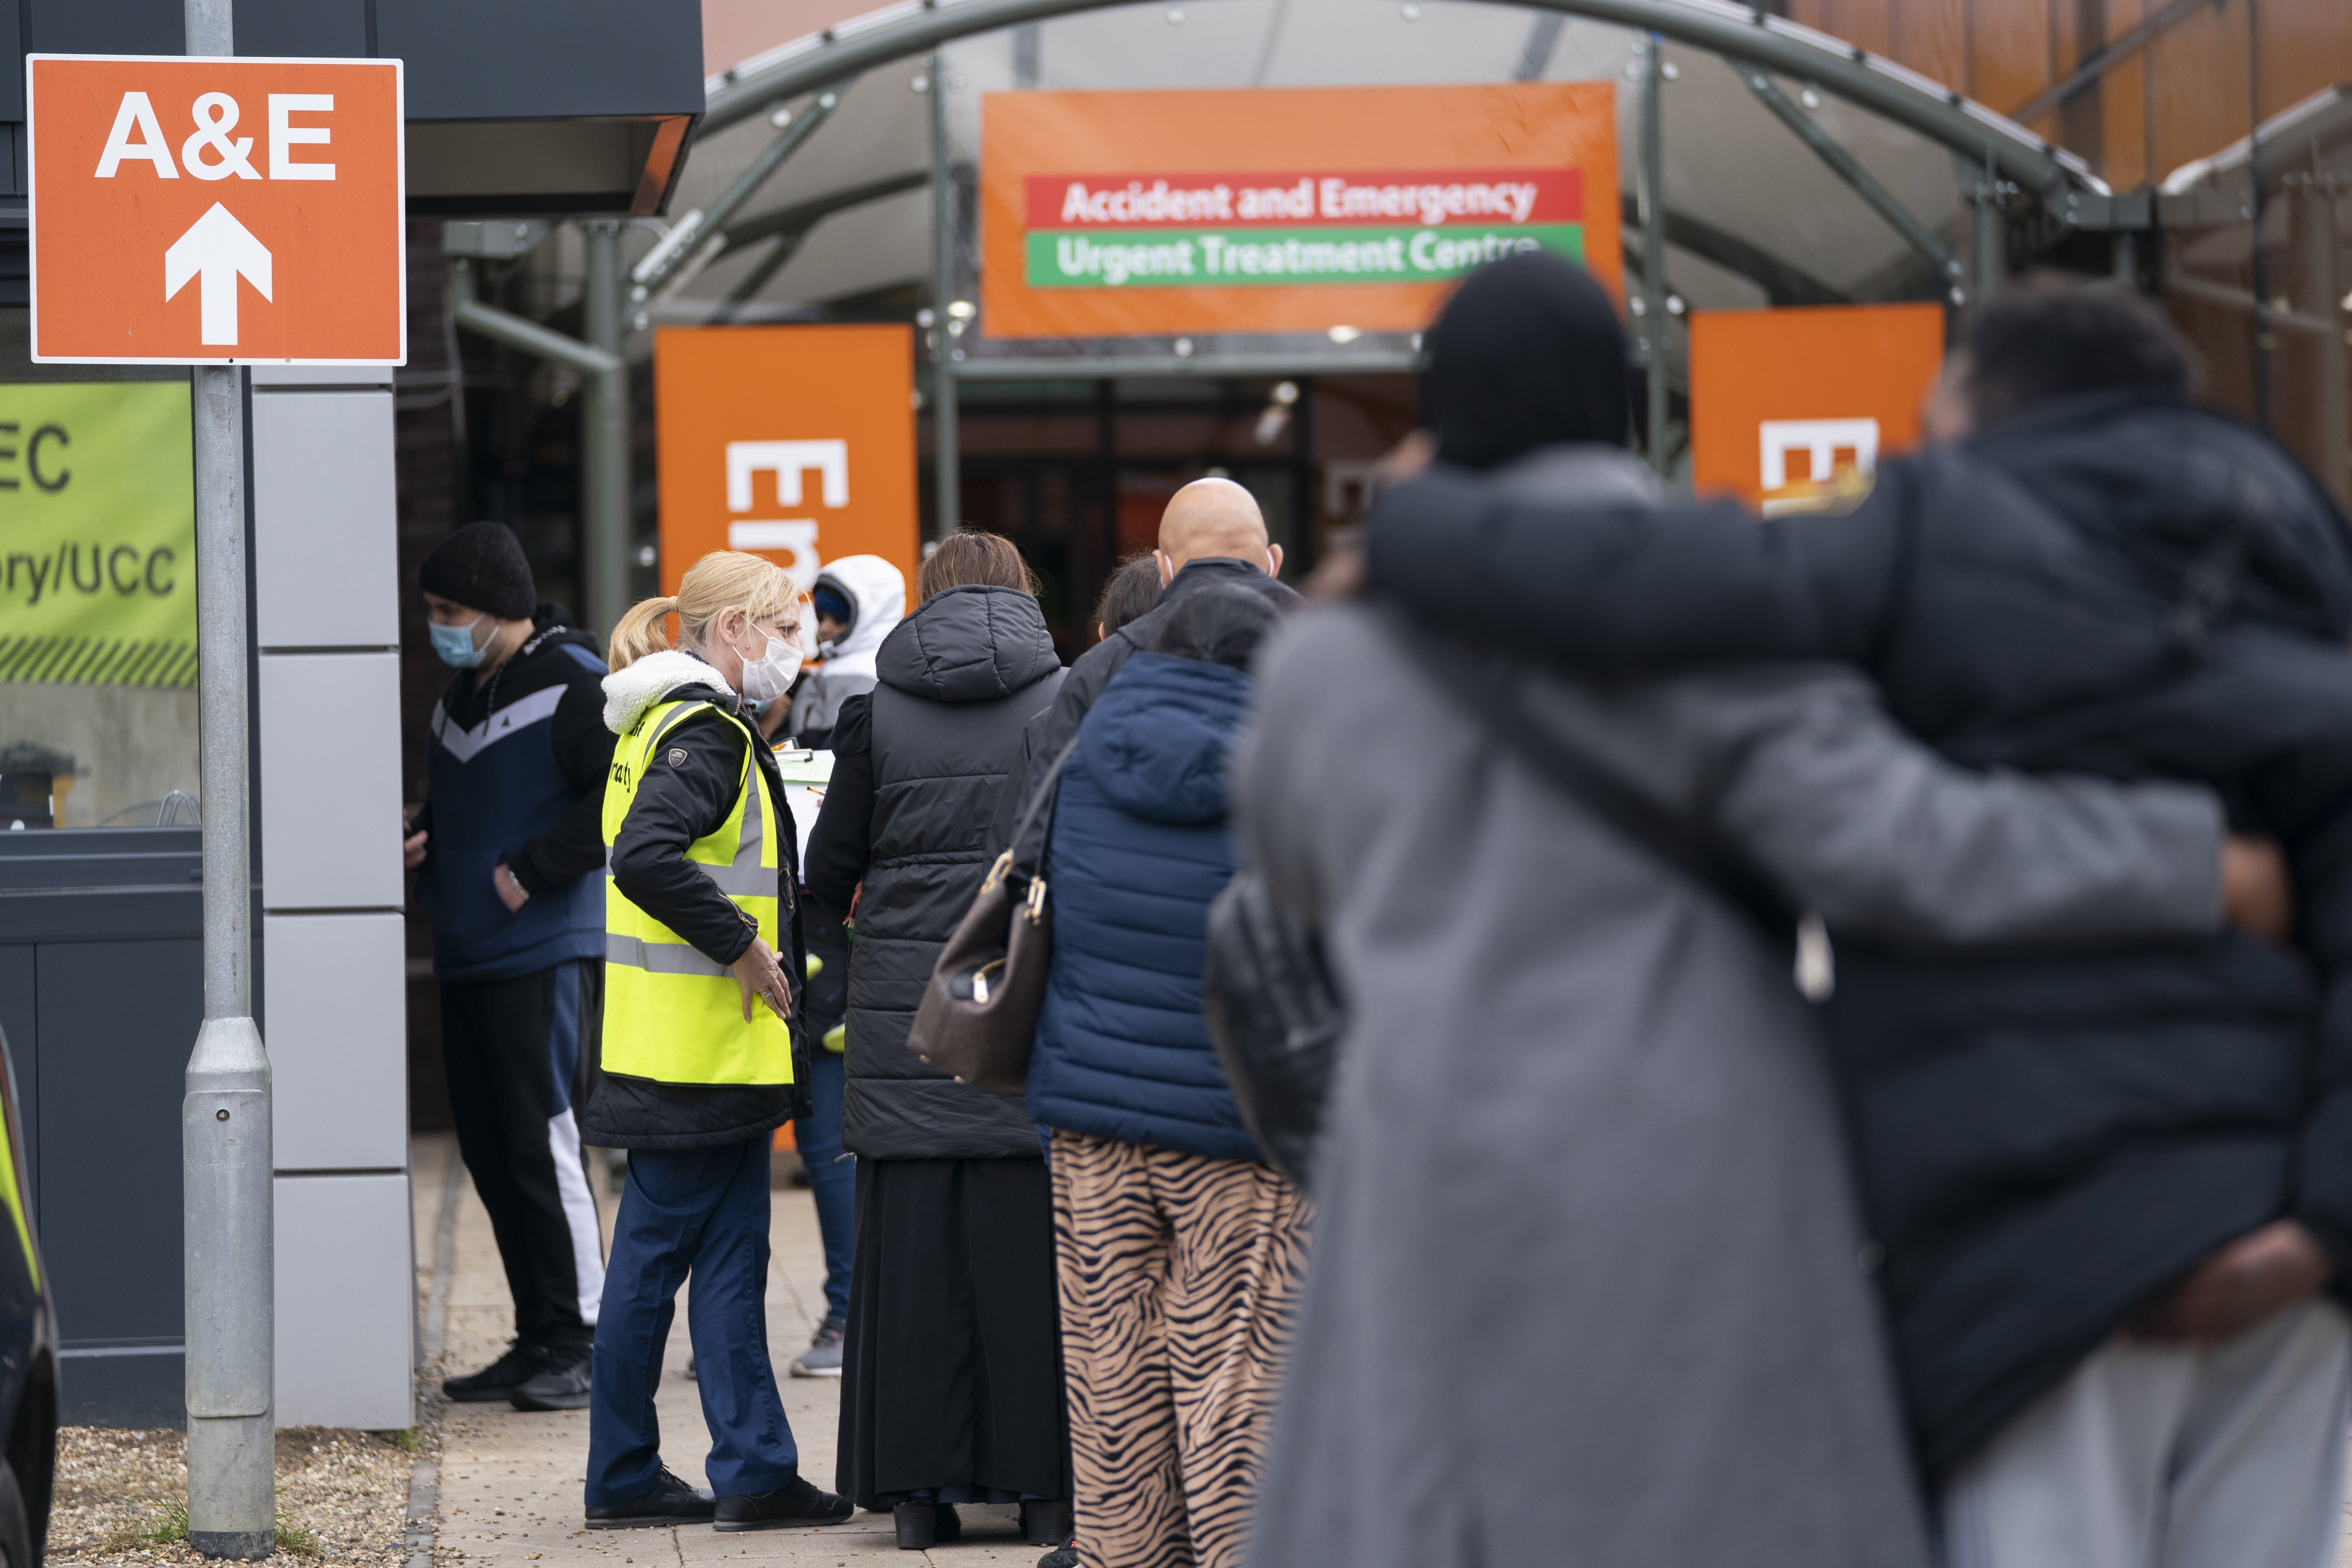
(700, 931)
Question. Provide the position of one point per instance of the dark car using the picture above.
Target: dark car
(29, 1353)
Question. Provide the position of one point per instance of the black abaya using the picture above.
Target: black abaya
(952, 1369)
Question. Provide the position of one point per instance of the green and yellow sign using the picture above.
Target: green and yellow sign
(98, 534)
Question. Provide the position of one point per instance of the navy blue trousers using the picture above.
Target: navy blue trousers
(702, 1212)
(833, 1181)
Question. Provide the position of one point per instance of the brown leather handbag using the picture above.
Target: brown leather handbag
(978, 1014)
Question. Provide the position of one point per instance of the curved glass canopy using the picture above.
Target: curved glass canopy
(1854, 203)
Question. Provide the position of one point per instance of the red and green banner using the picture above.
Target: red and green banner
(1281, 209)
(1194, 230)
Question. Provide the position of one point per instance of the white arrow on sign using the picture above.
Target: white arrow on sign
(215, 251)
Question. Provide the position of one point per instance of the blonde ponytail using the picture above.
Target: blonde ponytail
(721, 581)
(641, 631)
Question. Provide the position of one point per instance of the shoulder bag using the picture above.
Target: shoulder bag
(1272, 1010)
(978, 1014)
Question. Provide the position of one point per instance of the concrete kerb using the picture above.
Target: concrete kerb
(424, 1475)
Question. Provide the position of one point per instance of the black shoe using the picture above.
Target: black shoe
(797, 1504)
(922, 1525)
(499, 1379)
(1060, 1557)
(671, 1501)
(1045, 1523)
(560, 1384)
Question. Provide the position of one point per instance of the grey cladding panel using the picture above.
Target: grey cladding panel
(299, 27)
(107, 27)
(326, 565)
(116, 1023)
(528, 59)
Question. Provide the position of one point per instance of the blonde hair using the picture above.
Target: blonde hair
(721, 581)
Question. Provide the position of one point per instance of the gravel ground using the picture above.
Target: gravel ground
(122, 1497)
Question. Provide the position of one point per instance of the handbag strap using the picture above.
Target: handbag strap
(1494, 687)
(1048, 790)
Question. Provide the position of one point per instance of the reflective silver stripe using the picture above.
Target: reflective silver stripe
(741, 881)
(755, 812)
(659, 957)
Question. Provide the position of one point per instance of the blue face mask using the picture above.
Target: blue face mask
(455, 644)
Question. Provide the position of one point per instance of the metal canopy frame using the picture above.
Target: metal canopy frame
(1737, 32)
(2013, 159)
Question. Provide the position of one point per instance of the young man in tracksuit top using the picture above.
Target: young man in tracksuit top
(510, 860)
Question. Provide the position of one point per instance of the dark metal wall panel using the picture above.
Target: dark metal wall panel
(531, 59)
(116, 1020)
(302, 28)
(12, 59)
(106, 27)
(18, 988)
(143, 1387)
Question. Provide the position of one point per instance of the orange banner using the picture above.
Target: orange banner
(1281, 210)
(795, 443)
(1792, 409)
(217, 211)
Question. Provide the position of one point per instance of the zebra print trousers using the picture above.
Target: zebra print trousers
(1179, 1278)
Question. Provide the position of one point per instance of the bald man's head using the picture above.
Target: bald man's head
(1210, 519)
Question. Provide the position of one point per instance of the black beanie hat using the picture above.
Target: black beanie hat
(481, 567)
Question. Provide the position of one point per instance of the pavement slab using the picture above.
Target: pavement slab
(510, 1480)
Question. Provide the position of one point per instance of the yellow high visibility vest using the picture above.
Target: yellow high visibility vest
(671, 1014)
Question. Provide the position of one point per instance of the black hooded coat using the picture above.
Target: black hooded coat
(2104, 585)
(918, 763)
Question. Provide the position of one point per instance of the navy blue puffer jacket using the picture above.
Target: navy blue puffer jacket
(1139, 849)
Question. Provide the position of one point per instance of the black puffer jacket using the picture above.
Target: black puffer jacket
(2104, 586)
(917, 762)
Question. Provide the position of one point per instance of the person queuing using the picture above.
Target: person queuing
(1583, 1287)
(1181, 1251)
(952, 1379)
(1211, 532)
(2110, 1193)
(1130, 591)
(859, 600)
(703, 932)
(504, 849)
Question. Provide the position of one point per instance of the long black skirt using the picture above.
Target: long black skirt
(951, 1370)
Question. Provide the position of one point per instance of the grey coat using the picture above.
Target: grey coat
(1585, 1286)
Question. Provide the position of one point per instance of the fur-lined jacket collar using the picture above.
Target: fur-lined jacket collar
(629, 692)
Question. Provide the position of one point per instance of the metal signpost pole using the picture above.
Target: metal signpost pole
(1654, 251)
(226, 1237)
(606, 430)
(945, 465)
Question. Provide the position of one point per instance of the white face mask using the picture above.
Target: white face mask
(773, 674)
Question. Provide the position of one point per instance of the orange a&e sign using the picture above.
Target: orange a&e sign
(1280, 210)
(795, 443)
(217, 211)
(1790, 407)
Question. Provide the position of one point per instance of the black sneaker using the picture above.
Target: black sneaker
(499, 1379)
(671, 1501)
(560, 1384)
(823, 1358)
(797, 1504)
(1060, 1557)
